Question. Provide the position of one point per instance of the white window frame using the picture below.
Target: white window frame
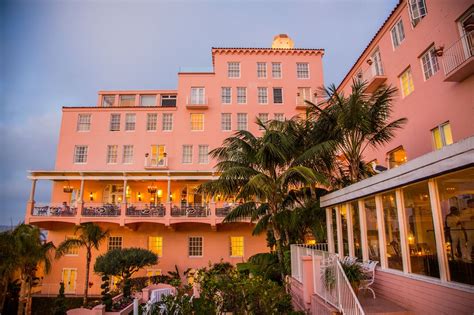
(429, 63)
(282, 115)
(84, 122)
(280, 70)
(240, 96)
(113, 239)
(203, 154)
(261, 70)
(239, 122)
(401, 82)
(78, 154)
(114, 124)
(150, 249)
(262, 98)
(167, 97)
(225, 123)
(151, 122)
(231, 72)
(105, 102)
(167, 121)
(191, 121)
(190, 246)
(187, 154)
(273, 94)
(442, 135)
(300, 72)
(243, 247)
(198, 95)
(127, 154)
(147, 96)
(112, 156)
(416, 16)
(265, 121)
(396, 33)
(226, 99)
(377, 66)
(130, 121)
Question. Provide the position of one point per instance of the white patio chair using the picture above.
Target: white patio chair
(369, 271)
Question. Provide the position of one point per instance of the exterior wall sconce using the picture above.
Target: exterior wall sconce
(370, 62)
(139, 196)
(439, 51)
(67, 188)
(91, 196)
(160, 193)
(171, 197)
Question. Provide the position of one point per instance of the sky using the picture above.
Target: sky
(62, 52)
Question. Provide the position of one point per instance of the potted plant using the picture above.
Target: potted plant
(354, 273)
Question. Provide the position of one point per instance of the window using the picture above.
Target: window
(345, 240)
(151, 121)
(148, 100)
(263, 117)
(157, 156)
(226, 122)
(130, 122)
(127, 100)
(167, 122)
(198, 96)
(356, 229)
(302, 70)
(417, 10)
(84, 122)
(114, 122)
(112, 154)
(442, 135)
(72, 251)
(279, 116)
(155, 244)
(203, 154)
(108, 100)
(429, 63)
(261, 70)
(276, 70)
(226, 95)
(153, 272)
(241, 121)
(241, 95)
(80, 154)
(115, 242)
(392, 231)
(197, 122)
(168, 100)
(195, 246)
(398, 34)
(127, 154)
(406, 81)
(304, 94)
(187, 154)
(236, 246)
(372, 229)
(262, 95)
(397, 157)
(233, 69)
(376, 66)
(277, 95)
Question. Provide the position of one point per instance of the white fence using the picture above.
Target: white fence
(459, 52)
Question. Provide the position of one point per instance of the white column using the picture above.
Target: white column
(363, 231)
(340, 238)
(350, 229)
(329, 230)
(124, 193)
(81, 191)
(402, 225)
(381, 231)
(33, 189)
(438, 230)
(168, 199)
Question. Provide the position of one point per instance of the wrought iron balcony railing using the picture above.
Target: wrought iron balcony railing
(145, 210)
(53, 210)
(100, 210)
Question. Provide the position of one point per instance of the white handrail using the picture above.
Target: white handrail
(348, 301)
(458, 52)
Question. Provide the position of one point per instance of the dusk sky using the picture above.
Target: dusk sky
(60, 53)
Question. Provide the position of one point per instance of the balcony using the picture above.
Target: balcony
(301, 101)
(156, 163)
(224, 211)
(191, 211)
(145, 210)
(100, 210)
(373, 78)
(53, 210)
(197, 103)
(458, 61)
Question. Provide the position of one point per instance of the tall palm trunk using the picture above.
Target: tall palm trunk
(21, 300)
(86, 286)
(277, 235)
(3, 293)
(28, 296)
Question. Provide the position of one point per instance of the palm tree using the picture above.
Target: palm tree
(8, 263)
(351, 124)
(31, 251)
(89, 236)
(261, 172)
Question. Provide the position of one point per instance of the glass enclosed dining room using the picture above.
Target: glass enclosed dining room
(424, 228)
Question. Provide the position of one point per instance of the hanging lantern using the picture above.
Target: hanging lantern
(152, 188)
(68, 188)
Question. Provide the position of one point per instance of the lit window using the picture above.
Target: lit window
(226, 121)
(442, 135)
(72, 251)
(197, 122)
(417, 10)
(406, 81)
(233, 69)
(262, 95)
(236, 246)
(398, 34)
(168, 100)
(277, 95)
(112, 154)
(397, 157)
(261, 70)
(198, 96)
(115, 242)
(130, 120)
(263, 117)
(127, 154)
(155, 244)
(153, 272)
(187, 154)
(80, 154)
(276, 70)
(148, 100)
(302, 70)
(84, 122)
(372, 229)
(108, 100)
(167, 122)
(241, 95)
(203, 154)
(279, 117)
(241, 121)
(151, 121)
(226, 95)
(114, 122)
(127, 100)
(429, 63)
(195, 246)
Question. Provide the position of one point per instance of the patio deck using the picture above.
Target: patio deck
(381, 306)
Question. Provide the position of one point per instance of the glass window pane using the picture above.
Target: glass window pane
(345, 242)
(356, 229)
(448, 136)
(392, 231)
(372, 229)
(456, 194)
(437, 138)
(334, 229)
(421, 237)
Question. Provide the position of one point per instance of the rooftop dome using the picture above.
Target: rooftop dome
(282, 41)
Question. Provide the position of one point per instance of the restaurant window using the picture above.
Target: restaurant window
(147, 100)
(195, 246)
(421, 236)
(83, 122)
(442, 135)
(372, 229)
(115, 242)
(155, 244)
(151, 121)
(345, 242)
(127, 100)
(130, 121)
(236, 246)
(356, 229)
(277, 95)
(233, 69)
(392, 231)
(261, 70)
(456, 196)
(80, 154)
(108, 100)
(168, 100)
(226, 95)
(396, 157)
(197, 122)
(114, 122)
(406, 82)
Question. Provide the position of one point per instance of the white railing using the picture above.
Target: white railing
(348, 301)
(301, 101)
(196, 100)
(152, 162)
(458, 53)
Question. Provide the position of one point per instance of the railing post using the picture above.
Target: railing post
(317, 283)
(307, 279)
